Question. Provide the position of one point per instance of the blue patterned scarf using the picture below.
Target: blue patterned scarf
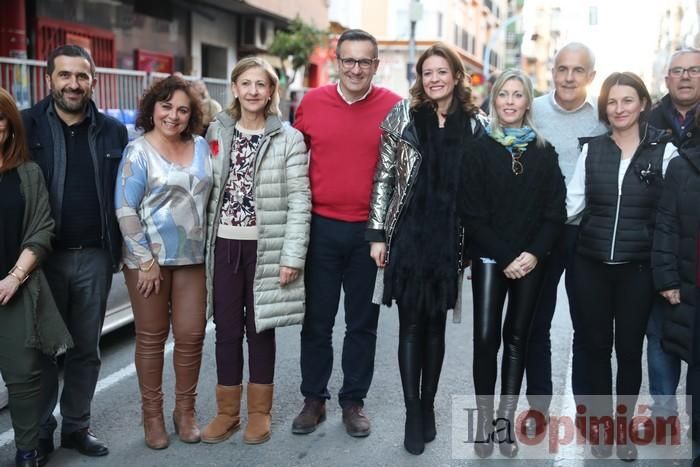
(512, 137)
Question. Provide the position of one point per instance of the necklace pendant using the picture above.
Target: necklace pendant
(517, 167)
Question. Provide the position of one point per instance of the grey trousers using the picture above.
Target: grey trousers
(21, 370)
(80, 281)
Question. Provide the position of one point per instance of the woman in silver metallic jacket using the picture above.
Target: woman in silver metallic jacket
(416, 238)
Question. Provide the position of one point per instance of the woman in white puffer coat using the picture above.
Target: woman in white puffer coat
(258, 233)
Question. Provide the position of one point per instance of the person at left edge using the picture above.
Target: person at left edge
(78, 149)
(29, 320)
(162, 192)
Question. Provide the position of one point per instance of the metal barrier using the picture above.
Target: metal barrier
(115, 88)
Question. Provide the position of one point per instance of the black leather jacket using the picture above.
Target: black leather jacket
(107, 139)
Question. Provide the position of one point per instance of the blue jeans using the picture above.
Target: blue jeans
(664, 368)
(338, 257)
(538, 367)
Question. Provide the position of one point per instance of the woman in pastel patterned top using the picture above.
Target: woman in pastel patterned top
(162, 191)
(258, 233)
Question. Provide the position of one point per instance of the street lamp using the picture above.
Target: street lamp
(415, 14)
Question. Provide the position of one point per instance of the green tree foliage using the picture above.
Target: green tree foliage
(295, 45)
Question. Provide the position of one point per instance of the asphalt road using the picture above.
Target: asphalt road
(116, 410)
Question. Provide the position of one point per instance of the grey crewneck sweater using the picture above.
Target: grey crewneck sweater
(563, 127)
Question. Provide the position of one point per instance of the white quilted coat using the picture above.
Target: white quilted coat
(283, 213)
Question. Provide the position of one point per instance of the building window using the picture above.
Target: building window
(593, 16)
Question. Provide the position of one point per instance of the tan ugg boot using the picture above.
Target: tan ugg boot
(228, 416)
(259, 419)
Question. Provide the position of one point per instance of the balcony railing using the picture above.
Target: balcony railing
(115, 88)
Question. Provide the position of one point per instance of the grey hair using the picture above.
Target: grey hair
(529, 95)
(682, 51)
(578, 47)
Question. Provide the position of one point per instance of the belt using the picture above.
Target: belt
(73, 247)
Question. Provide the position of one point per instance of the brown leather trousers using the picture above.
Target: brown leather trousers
(182, 302)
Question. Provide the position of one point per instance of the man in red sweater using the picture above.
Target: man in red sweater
(340, 123)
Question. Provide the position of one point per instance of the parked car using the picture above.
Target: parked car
(118, 315)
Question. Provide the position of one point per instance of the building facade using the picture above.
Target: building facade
(467, 25)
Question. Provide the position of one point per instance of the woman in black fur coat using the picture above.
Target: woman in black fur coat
(513, 206)
(415, 235)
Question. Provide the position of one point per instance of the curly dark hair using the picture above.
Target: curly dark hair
(162, 91)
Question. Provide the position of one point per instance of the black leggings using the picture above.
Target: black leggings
(421, 351)
(489, 287)
(619, 297)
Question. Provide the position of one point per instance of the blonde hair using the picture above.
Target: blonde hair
(529, 95)
(273, 105)
(462, 96)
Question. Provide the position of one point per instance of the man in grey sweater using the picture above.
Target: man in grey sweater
(561, 116)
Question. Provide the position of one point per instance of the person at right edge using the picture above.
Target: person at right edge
(674, 265)
(670, 326)
(512, 206)
(413, 213)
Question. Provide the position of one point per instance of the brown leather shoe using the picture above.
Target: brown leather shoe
(355, 421)
(313, 413)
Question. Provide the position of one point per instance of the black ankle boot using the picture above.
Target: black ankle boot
(601, 439)
(429, 430)
(413, 434)
(483, 442)
(26, 458)
(505, 427)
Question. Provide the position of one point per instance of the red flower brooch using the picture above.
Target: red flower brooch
(214, 147)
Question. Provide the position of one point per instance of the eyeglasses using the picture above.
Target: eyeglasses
(364, 63)
(677, 72)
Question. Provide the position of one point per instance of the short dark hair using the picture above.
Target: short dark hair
(626, 78)
(357, 35)
(68, 50)
(162, 91)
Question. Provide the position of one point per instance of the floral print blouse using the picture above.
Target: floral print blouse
(238, 206)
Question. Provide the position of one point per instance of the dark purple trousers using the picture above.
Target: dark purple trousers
(234, 271)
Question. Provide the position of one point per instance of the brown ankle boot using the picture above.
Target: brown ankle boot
(186, 425)
(259, 418)
(228, 416)
(154, 430)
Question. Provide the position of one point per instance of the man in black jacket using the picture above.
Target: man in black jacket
(675, 112)
(78, 150)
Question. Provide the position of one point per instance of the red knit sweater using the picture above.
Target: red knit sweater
(344, 143)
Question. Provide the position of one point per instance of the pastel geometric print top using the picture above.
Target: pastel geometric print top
(161, 205)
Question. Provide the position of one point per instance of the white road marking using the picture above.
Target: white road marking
(105, 383)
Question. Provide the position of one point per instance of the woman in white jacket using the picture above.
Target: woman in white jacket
(258, 233)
